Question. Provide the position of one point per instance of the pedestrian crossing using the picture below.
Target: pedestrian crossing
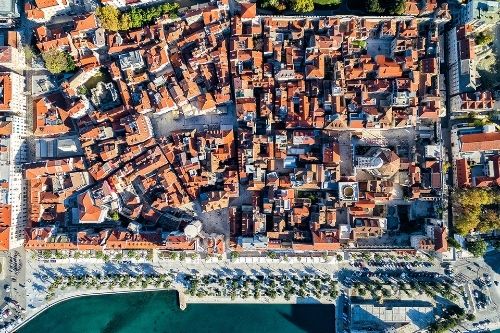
(461, 278)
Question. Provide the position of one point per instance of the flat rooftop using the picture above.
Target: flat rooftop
(9, 8)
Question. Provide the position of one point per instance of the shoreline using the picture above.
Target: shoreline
(251, 300)
(183, 300)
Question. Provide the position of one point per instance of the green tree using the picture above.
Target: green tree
(272, 255)
(109, 16)
(114, 216)
(484, 38)
(234, 255)
(82, 90)
(477, 248)
(373, 7)
(270, 4)
(453, 242)
(469, 204)
(490, 220)
(467, 221)
(29, 54)
(57, 61)
(474, 197)
(446, 167)
(303, 6)
(136, 18)
(398, 7)
(478, 123)
(172, 255)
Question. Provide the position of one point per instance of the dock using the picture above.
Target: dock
(182, 299)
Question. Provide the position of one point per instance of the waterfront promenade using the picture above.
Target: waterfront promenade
(40, 274)
(184, 299)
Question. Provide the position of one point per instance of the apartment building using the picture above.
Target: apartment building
(13, 154)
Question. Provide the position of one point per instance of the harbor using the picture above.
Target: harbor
(160, 311)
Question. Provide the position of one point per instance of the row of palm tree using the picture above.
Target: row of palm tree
(432, 289)
(272, 286)
(108, 281)
(104, 255)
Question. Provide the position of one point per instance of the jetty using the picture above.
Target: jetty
(182, 299)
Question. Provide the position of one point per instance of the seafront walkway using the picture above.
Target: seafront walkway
(67, 293)
(40, 274)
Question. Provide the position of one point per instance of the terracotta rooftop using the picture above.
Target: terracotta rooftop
(480, 142)
(45, 3)
(5, 91)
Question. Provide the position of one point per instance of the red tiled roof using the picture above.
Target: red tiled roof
(463, 172)
(480, 142)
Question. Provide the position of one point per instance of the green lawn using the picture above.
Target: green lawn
(328, 2)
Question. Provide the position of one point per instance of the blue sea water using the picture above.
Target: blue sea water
(158, 312)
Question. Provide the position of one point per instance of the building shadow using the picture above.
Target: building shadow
(311, 316)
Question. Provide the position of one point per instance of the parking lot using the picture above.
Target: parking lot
(12, 288)
(480, 279)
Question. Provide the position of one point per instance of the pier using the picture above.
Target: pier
(182, 299)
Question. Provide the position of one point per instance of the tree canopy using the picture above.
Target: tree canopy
(115, 216)
(303, 6)
(109, 17)
(398, 7)
(490, 220)
(484, 38)
(373, 7)
(453, 242)
(389, 7)
(273, 4)
(58, 62)
(477, 248)
(473, 212)
(113, 19)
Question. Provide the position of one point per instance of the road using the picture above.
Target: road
(446, 135)
(13, 284)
